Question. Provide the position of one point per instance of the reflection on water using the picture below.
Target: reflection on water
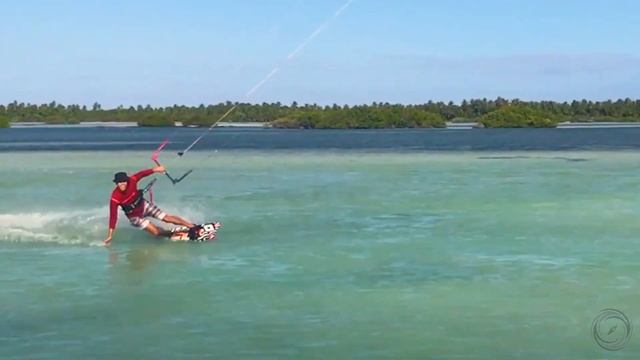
(146, 256)
(531, 157)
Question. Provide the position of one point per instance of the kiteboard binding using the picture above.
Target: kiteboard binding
(198, 233)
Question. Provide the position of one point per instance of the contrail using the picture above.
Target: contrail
(275, 70)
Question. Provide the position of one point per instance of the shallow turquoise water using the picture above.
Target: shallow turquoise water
(323, 255)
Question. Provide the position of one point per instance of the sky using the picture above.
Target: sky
(191, 52)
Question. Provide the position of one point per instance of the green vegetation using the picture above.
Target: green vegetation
(517, 116)
(4, 121)
(490, 113)
(155, 119)
(361, 117)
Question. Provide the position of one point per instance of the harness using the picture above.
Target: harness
(128, 208)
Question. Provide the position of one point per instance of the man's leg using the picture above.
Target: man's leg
(145, 224)
(156, 231)
(154, 211)
(172, 219)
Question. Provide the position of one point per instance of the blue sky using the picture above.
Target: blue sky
(404, 51)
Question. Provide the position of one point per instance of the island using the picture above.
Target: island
(475, 113)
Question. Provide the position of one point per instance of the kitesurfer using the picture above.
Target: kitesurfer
(136, 207)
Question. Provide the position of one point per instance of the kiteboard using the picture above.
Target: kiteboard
(198, 233)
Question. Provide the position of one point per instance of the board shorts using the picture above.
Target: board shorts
(150, 210)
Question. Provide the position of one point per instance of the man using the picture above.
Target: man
(136, 208)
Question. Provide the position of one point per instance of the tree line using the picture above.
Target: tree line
(499, 112)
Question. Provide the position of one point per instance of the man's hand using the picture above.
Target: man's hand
(107, 241)
(159, 169)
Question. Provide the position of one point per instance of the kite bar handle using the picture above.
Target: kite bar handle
(154, 157)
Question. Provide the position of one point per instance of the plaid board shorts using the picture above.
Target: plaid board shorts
(149, 210)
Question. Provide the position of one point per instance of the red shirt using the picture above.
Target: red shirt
(126, 197)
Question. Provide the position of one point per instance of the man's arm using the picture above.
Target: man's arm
(144, 173)
(113, 219)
